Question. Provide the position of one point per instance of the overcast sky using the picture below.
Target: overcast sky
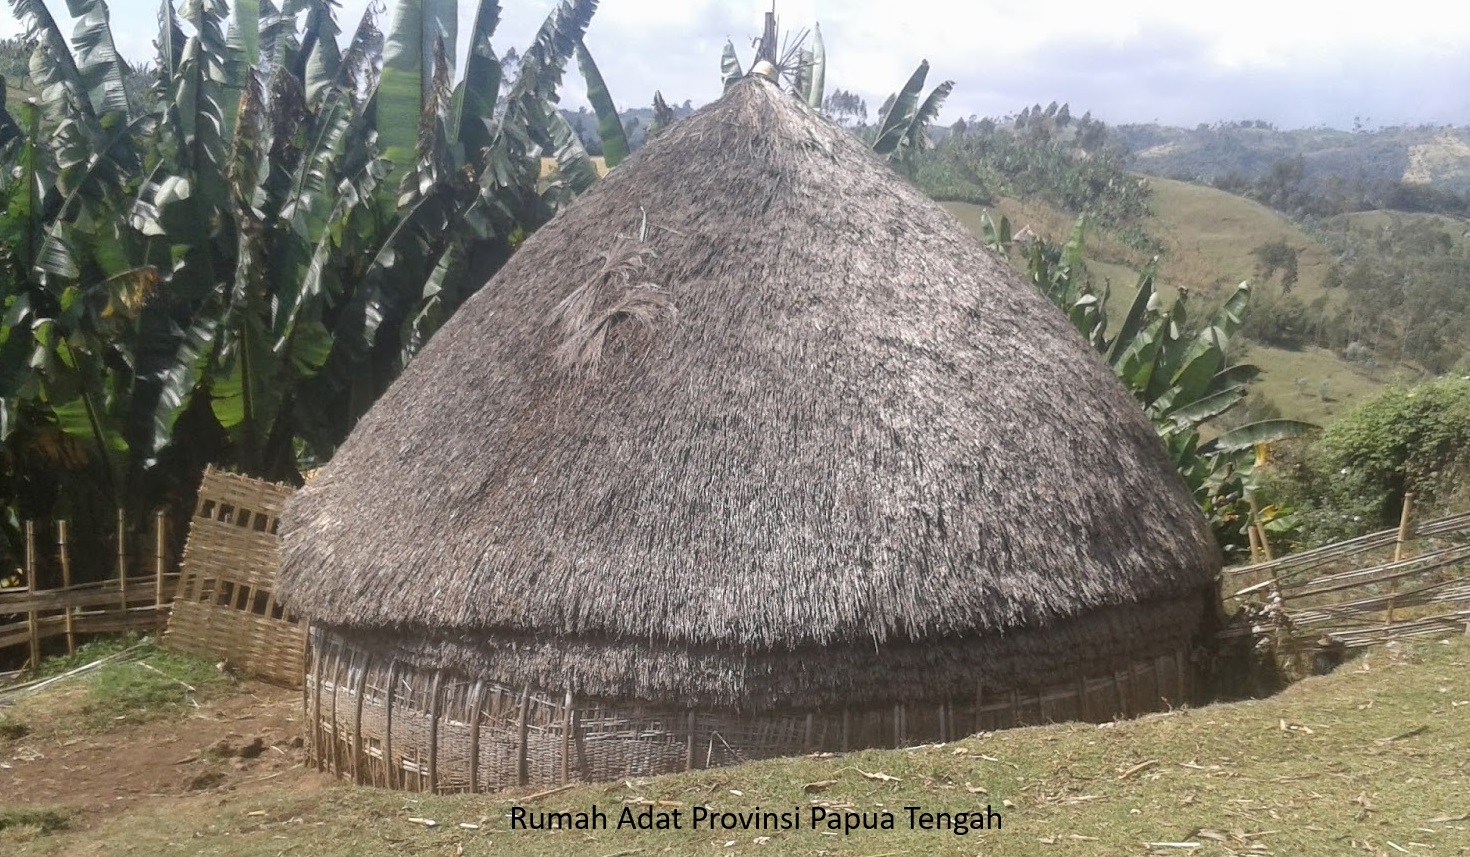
(1292, 62)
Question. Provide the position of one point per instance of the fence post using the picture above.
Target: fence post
(32, 619)
(122, 560)
(1406, 526)
(61, 546)
(160, 523)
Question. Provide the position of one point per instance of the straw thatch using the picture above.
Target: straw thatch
(754, 425)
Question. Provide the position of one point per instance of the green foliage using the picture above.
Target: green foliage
(229, 271)
(1179, 373)
(609, 124)
(980, 165)
(1285, 322)
(1353, 479)
(1402, 288)
(1273, 256)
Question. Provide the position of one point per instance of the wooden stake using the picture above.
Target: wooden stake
(1255, 523)
(71, 636)
(33, 619)
(689, 742)
(122, 559)
(388, 720)
(566, 739)
(434, 713)
(160, 522)
(523, 772)
(359, 757)
(478, 695)
(1406, 518)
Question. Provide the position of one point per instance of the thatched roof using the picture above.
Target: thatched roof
(752, 393)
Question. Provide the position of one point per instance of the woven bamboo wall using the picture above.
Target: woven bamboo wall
(382, 722)
(226, 606)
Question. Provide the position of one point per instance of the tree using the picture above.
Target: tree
(845, 108)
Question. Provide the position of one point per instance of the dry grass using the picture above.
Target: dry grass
(1366, 761)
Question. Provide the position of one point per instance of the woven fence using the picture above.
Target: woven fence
(225, 607)
(376, 720)
(1410, 581)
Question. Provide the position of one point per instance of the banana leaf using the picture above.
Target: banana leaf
(730, 71)
(609, 127)
(474, 110)
(900, 116)
(407, 81)
(818, 75)
(1265, 431)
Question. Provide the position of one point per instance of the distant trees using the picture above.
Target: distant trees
(1273, 256)
(845, 108)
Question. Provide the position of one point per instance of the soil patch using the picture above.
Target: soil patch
(250, 739)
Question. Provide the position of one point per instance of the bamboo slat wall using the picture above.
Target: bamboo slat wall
(1413, 580)
(135, 598)
(226, 608)
(380, 721)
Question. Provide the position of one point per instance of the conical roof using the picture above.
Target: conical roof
(752, 393)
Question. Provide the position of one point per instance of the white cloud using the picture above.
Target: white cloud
(1294, 62)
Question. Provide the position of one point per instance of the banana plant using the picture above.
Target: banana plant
(904, 127)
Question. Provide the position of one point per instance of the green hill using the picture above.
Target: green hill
(1430, 155)
(1208, 237)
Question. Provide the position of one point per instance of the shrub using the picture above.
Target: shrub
(1353, 479)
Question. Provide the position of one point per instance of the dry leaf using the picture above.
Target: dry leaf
(879, 776)
(976, 790)
(1138, 769)
(737, 792)
(426, 822)
(818, 786)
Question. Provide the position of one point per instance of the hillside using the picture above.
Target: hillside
(1437, 156)
(1208, 237)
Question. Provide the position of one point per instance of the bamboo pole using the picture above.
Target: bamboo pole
(476, 713)
(566, 738)
(33, 619)
(61, 545)
(434, 714)
(523, 734)
(160, 524)
(1406, 521)
(122, 559)
(1255, 523)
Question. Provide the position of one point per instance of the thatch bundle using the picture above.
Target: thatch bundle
(754, 427)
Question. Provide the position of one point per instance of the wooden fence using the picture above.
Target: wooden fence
(1410, 581)
(136, 596)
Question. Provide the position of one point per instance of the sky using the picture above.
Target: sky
(1295, 63)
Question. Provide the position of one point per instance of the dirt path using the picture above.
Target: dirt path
(252, 739)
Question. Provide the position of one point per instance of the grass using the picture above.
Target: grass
(1208, 236)
(19, 826)
(145, 684)
(1368, 760)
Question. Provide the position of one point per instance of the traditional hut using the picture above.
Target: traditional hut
(753, 451)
